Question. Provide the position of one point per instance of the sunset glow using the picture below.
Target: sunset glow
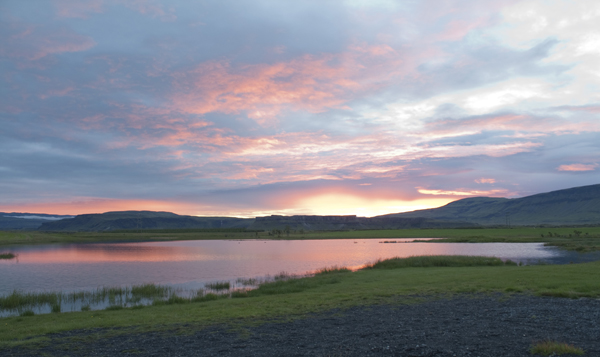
(245, 108)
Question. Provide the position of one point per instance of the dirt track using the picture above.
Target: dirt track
(462, 326)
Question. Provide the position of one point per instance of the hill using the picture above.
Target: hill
(26, 221)
(127, 220)
(573, 206)
(325, 223)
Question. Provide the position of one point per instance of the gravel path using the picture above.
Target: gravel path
(461, 326)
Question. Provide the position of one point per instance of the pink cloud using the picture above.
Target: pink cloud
(261, 90)
(578, 167)
(33, 43)
(464, 192)
(86, 205)
(485, 180)
(150, 7)
(312, 83)
(583, 108)
(77, 8)
(525, 126)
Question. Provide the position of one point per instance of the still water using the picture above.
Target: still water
(192, 264)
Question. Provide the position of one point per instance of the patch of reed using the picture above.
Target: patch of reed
(18, 300)
(219, 285)
(289, 286)
(114, 308)
(7, 256)
(207, 297)
(553, 348)
(247, 281)
(332, 270)
(174, 299)
(436, 261)
(149, 291)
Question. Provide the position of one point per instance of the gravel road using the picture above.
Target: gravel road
(474, 325)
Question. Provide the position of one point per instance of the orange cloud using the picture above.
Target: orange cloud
(77, 8)
(261, 90)
(466, 193)
(485, 180)
(312, 83)
(100, 205)
(512, 122)
(578, 167)
(33, 43)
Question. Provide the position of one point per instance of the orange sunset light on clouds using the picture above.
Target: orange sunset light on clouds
(245, 108)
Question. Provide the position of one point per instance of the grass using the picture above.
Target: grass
(553, 348)
(17, 301)
(335, 288)
(7, 256)
(219, 285)
(437, 261)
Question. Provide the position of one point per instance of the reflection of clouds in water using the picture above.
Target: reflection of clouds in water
(183, 263)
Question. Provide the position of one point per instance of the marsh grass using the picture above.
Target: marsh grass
(18, 300)
(111, 296)
(553, 348)
(219, 285)
(208, 297)
(7, 256)
(114, 308)
(332, 270)
(248, 281)
(429, 261)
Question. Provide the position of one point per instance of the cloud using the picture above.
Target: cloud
(33, 42)
(259, 107)
(78, 9)
(577, 167)
(465, 193)
(313, 83)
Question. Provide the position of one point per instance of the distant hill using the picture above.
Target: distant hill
(26, 221)
(573, 206)
(324, 223)
(128, 220)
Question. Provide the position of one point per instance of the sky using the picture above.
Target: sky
(252, 108)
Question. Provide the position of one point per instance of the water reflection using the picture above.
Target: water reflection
(191, 264)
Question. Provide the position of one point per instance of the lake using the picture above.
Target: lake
(192, 264)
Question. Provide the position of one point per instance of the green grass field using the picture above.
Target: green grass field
(580, 239)
(333, 288)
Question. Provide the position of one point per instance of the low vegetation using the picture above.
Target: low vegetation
(7, 256)
(438, 261)
(553, 348)
(219, 285)
(398, 282)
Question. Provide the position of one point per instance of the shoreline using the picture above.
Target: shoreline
(586, 240)
(332, 290)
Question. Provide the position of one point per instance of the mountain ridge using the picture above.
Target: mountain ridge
(572, 206)
(576, 206)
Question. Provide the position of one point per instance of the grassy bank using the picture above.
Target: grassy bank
(577, 239)
(331, 288)
(7, 256)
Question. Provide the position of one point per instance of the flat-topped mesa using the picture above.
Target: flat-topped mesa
(307, 219)
(301, 222)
